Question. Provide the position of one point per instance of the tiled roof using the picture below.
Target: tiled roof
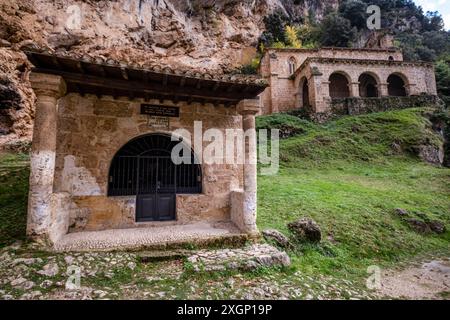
(86, 74)
(153, 66)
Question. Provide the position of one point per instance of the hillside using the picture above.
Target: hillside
(351, 180)
(351, 175)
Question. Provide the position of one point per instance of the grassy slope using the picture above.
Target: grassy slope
(346, 176)
(14, 175)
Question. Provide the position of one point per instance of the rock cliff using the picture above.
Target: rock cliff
(216, 35)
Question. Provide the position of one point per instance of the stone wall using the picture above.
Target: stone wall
(358, 106)
(92, 130)
(278, 96)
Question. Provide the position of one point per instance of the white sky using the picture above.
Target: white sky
(443, 6)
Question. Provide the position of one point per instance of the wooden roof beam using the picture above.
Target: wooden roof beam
(124, 73)
(182, 82)
(165, 79)
(80, 67)
(145, 76)
(151, 88)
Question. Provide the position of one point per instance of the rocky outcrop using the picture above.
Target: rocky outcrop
(306, 229)
(217, 35)
(431, 154)
(276, 236)
(420, 222)
(16, 98)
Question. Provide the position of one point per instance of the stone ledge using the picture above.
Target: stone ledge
(156, 238)
(249, 258)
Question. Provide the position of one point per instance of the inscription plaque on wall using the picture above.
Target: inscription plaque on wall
(160, 111)
(158, 122)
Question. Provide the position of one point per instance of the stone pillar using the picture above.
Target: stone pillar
(354, 90)
(411, 89)
(274, 107)
(244, 202)
(322, 96)
(48, 89)
(383, 87)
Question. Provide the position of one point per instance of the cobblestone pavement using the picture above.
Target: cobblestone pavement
(26, 273)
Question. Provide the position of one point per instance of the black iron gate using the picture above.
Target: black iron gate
(156, 198)
(152, 176)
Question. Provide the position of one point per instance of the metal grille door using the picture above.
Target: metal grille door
(144, 168)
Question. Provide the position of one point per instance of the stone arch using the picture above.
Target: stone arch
(292, 62)
(304, 93)
(368, 85)
(148, 152)
(397, 85)
(339, 85)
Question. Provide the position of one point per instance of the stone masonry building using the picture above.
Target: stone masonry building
(102, 176)
(316, 80)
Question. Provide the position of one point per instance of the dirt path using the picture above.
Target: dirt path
(428, 280)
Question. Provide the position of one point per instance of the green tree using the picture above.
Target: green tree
(355, 12)
(443, 79)
(275, 25)
(308, 35)
(292, 39)
(336, 31)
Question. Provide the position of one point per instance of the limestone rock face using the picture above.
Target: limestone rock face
(306, 229)
(218, 35)
(432, 154)
(16, 98)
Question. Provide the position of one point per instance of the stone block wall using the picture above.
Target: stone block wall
(358, 106)
(419, 80)
(91, 131)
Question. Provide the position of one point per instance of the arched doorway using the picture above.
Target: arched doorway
(304, 92)
(144, 168)
(396, 86)
(368, 86)
(339, 86)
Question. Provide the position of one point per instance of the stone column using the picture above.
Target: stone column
(322, 97)
(274, 107)
(244, 202)
(48, 89)
(383, 87)
(354, 90)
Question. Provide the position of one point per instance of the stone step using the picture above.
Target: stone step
(196, 235)
(249, 258)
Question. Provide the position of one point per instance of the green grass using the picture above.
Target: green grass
(14, 175)
(347, 177)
